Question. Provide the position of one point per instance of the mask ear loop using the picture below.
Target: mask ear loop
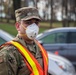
(23, 27)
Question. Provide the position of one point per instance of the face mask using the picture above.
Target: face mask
(32, 31)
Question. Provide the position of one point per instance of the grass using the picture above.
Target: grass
(10, 27)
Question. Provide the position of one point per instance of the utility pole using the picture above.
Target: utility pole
(51, 20)
(64, 13)
(75, 13)
(16, 5)
(1, 3)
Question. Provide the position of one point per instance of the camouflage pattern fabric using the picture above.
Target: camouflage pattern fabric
(27, 13)
(11, 61)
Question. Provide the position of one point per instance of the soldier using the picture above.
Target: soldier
(24, 55)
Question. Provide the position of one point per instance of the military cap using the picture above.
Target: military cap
(26, 13)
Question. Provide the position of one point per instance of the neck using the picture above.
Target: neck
(26, 39)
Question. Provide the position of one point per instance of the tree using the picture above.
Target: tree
(16, 5)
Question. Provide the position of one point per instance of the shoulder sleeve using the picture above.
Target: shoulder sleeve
(8, 63)
(3, 66)
(12, 61)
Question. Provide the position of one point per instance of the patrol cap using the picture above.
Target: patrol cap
(26, 13)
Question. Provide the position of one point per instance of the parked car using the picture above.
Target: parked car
(4, 37)
(61, 41)
(57, 64)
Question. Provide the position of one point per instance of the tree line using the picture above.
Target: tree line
(53, 10)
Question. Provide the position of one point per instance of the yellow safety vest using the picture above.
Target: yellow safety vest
(31, 61)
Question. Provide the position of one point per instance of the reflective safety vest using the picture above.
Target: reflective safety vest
(31, 61)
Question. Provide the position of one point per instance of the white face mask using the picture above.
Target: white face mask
(32, 31)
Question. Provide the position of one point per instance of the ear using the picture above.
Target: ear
(17, 25)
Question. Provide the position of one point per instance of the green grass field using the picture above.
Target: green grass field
(10, 27)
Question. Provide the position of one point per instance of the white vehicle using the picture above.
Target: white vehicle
(57, 64)
(4, 37)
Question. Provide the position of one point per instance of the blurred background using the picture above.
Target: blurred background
(54, 13)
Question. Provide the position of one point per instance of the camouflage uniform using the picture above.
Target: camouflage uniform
(12, 60)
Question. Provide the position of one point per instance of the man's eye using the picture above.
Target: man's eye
(28, 22)
(37, 22)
